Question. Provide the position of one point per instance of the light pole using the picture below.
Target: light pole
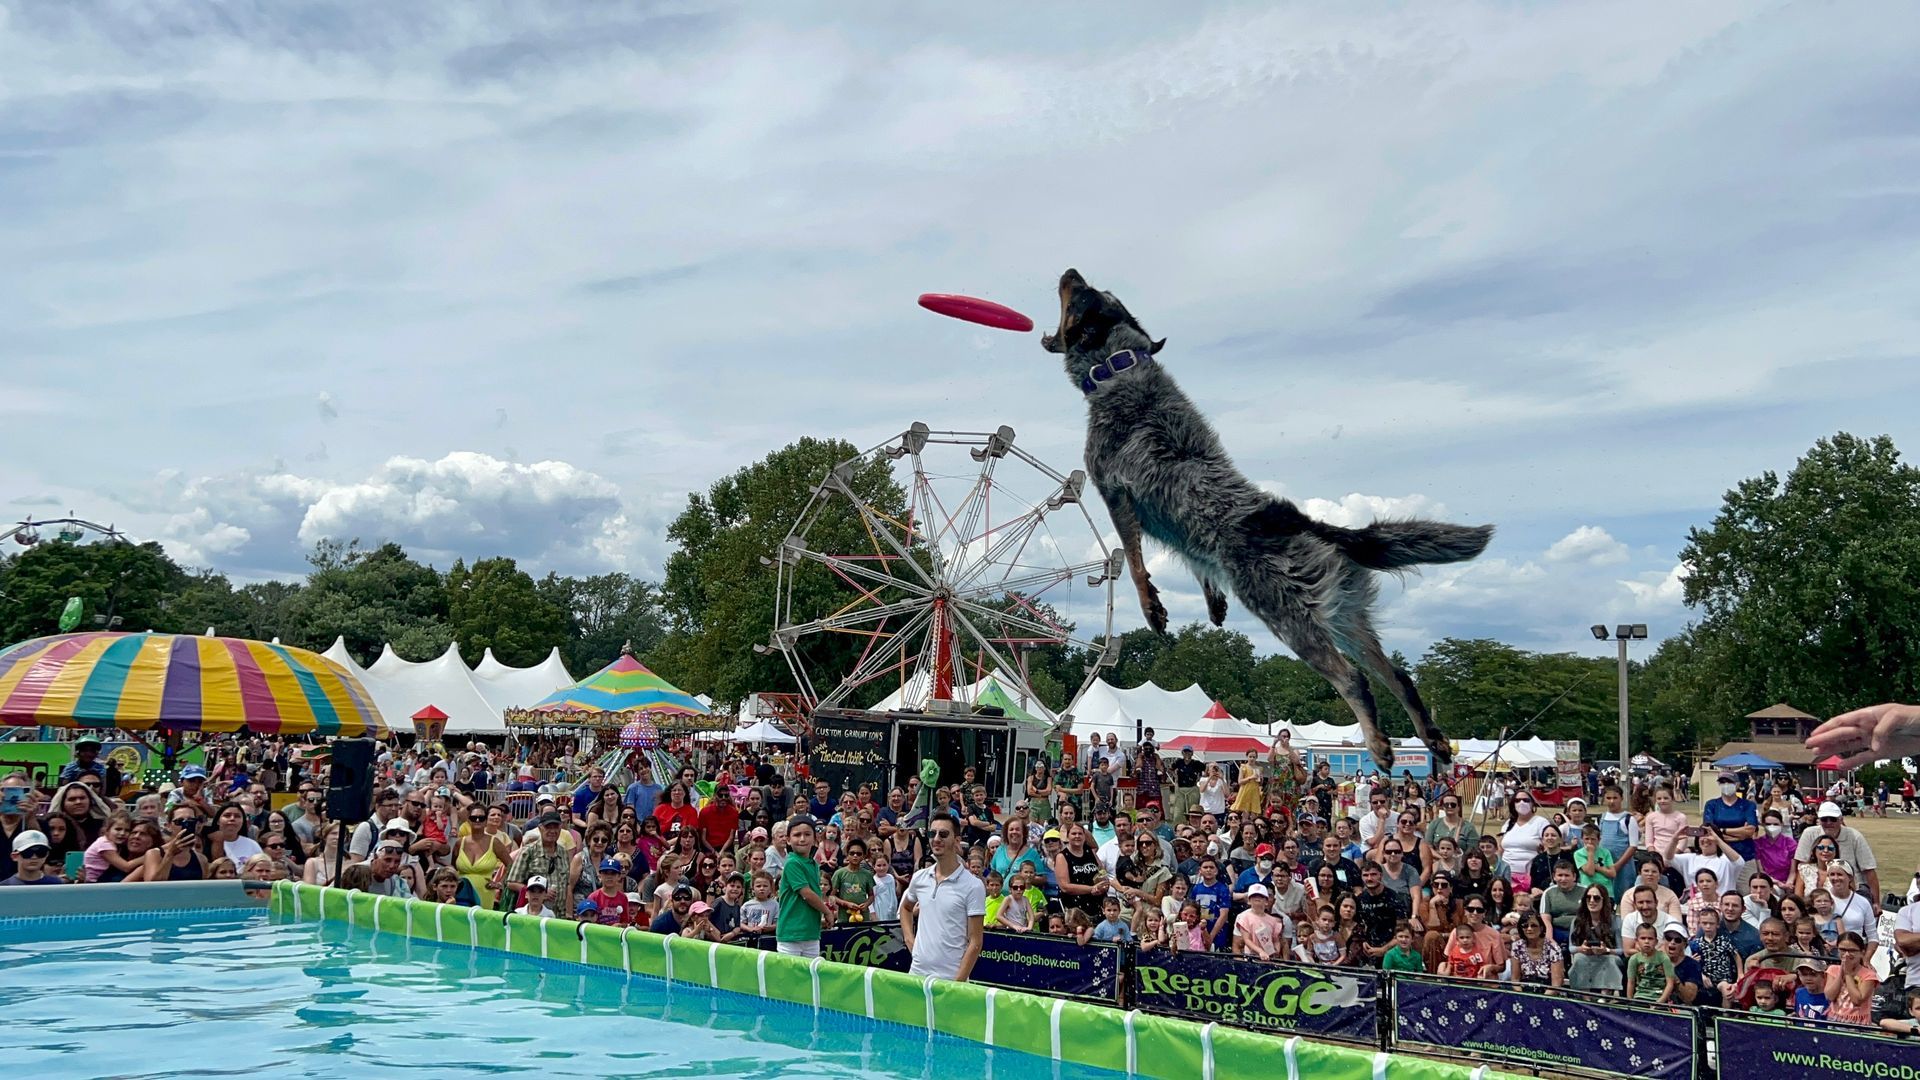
(1622, 633)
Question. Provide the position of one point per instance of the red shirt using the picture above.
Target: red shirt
(718, 822)
(615, 908)
(667, 814)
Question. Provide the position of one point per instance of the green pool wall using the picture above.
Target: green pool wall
(1081, 1033)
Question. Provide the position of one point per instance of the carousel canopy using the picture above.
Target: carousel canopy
(624, 686)
(181, 682)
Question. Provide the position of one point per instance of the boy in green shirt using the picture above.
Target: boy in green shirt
(802, 908)
(853, 884)
(1401, 955)
(1649, 971)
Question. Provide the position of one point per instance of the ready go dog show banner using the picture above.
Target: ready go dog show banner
(1056, 966)
(1564, 1033)
(1807, 1051)
(1336, 1003)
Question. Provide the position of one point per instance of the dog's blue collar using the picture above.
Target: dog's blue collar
(1111, 366)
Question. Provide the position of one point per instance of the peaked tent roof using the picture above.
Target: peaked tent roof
(1781, 711)
(626, 685)
(1170, 713)
(473, 701)
(997, 696)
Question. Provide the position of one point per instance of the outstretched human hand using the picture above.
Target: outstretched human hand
(1888, 730)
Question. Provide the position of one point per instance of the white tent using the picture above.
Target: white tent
(1170, 713)
(1515, 753)
(473, 699)
(763, 731)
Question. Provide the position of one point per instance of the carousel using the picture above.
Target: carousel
(616, 717)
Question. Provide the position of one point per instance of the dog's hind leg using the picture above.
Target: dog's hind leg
(1317, 649)
(1376, 660)
(1216, 602)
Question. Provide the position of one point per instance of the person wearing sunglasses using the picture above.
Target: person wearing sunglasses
(30, 851)
(1452, 823)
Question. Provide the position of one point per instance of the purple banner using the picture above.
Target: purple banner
(1035, 962)
(1533, 1027)
(1332, 1002)
(1808, 1051)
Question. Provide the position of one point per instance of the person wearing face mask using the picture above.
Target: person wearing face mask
(1521, 840)
(1774, 847)
(1733, 817)
(1260, 873)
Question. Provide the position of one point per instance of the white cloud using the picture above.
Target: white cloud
(465, 504)
(1657, 591)
(1588, 544)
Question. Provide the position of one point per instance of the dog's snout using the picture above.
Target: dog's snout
(1071, 277)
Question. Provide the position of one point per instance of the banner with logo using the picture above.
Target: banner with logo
(1807, 1051)
(1336, 1003)
(1566, 763)
(1045, 965)
(1557, 1033)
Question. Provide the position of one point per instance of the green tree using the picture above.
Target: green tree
(606, 611)
(495, 605)
(1286, 690)
(718, 594)
(1479, 688)
(1810, 586)
(370, 597)
(129, 582)
(1220, 660)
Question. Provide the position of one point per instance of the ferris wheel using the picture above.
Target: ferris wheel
(980, 554)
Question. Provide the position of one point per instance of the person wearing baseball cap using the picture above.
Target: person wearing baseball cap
(86, 761)
(1850, 847)
(1733, 816)
(543, 856)
(30, 851)
(193, 792)
(536, 898)
(610, 903)
(1257, 931)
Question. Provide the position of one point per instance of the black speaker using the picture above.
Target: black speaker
(350, 781)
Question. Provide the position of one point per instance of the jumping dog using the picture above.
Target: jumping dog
(1161, 470)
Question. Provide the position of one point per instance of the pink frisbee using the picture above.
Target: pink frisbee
(975, 310)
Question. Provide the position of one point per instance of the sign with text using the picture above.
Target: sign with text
(1035, 962)
(847, 752)
(1336, 1003)
(1563, 1034)
(1807, 1051)
(1566, 763)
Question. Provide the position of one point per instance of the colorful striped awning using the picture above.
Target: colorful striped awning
(624, 686)
(175, 681)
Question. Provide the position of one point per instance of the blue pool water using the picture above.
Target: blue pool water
(236, 994)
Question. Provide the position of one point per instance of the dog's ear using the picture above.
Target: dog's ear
(1154, 349)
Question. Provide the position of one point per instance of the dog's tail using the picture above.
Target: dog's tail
(1397, 544)
(1393, 544)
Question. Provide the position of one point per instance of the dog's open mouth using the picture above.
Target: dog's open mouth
(1070, 283)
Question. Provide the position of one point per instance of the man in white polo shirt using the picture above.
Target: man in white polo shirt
(944, 913)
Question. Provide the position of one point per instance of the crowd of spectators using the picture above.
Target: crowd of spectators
(1764, 900)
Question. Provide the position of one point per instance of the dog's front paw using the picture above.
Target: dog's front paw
(1156, 611)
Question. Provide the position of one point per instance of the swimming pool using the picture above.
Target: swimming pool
(239, 993)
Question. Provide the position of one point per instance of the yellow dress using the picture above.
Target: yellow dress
(1246, 799)
(478, 872)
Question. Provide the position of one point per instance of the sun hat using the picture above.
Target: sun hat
(396, 825)
(1051, 834)
(1258, 889)
(1830, 810)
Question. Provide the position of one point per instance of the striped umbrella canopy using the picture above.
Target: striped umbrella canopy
(624, 686)
(181, 682)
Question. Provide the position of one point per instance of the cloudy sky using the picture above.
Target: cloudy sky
(516, 279)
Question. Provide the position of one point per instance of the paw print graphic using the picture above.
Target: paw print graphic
(1630, 1043)
(1593, 1025)
(1634, 1060)
(1606, 1044)
(1533, 1021)
(1559, 1014)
